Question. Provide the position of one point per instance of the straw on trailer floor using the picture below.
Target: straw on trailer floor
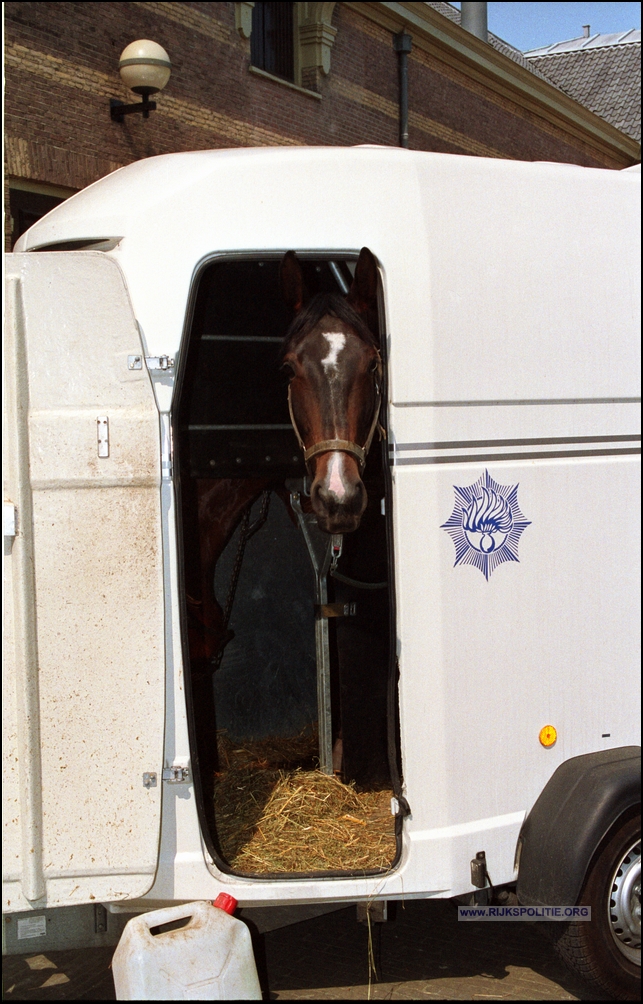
(276, 813)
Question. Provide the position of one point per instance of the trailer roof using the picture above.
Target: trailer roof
(474, 251)
(120, 203)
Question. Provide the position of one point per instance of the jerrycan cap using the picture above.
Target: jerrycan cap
(226, 902)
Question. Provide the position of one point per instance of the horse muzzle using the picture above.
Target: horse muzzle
(335, 514)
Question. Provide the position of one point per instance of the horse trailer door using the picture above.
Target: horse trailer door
(84, 655)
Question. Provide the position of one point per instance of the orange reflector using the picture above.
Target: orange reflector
(548, 735)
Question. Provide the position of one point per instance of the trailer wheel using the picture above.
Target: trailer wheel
(606, 951)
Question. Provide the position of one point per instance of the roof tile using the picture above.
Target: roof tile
(606, 80)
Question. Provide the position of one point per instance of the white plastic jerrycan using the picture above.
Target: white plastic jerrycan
(208, 959)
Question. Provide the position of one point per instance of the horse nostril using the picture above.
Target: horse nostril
(326, 502)
(321, 496)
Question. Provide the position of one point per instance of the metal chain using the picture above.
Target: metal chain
(247, 530)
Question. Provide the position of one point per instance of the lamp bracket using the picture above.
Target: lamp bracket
(118, 110)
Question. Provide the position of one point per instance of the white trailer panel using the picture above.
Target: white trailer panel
(511, 298)
(85, 673)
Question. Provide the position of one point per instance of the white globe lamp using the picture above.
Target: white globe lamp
(145, 68)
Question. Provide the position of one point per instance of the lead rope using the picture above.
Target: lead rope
(247, 531)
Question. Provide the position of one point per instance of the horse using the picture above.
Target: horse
(331, 354)
(334, 394)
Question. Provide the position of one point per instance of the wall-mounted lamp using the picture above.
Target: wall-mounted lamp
(145, 67)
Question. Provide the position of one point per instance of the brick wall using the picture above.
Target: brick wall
(62, 69)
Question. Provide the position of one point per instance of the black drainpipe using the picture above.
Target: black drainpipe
(402, 44)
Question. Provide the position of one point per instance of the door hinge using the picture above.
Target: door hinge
(167, 449)
(159, 364)
(8, 519)
(102, 430)
(155, 364)
(100, 919)
(176, 775)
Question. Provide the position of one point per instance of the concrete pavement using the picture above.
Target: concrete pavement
(422, 953)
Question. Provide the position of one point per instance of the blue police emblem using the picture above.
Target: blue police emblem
(486, 524)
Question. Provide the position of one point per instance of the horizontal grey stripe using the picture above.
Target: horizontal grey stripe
(489, 457)
(235, 428)
(145, 61)
(241, 338)
(493, 404)
(63, 484)
(472, 443)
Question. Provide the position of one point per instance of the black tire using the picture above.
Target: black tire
(593, 949)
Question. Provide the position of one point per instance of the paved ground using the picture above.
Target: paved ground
(422, 953)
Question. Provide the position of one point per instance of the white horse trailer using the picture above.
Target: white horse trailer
(509, 302)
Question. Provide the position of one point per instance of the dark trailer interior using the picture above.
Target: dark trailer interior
(253, 704)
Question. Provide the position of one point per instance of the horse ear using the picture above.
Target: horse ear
(362, 295)
(292, 282)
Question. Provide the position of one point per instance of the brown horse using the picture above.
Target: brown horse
(334, 396)
(334, 393)
(220, 505)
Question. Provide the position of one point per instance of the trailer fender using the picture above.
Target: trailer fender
(580, 803)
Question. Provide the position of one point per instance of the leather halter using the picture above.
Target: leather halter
(344, 445)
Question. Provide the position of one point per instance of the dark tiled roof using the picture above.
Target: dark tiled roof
(607, 80)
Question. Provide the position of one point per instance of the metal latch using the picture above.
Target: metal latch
(159, 364)
(175, 775)
(155, 364)
(102, 428)
(149, 779)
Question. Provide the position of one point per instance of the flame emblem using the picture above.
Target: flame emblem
(486, 524)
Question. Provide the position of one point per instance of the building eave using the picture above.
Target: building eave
(449, 43)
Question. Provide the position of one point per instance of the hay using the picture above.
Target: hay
(275, 813)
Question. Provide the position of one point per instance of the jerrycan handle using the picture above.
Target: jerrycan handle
(166, 915)
(226, 902)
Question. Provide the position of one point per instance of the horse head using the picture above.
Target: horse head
(331, 354)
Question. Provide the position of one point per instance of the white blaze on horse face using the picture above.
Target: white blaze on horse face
(336, 342)
(335, 480)
(334, 472)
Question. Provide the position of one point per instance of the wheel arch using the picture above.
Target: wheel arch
(569, 821)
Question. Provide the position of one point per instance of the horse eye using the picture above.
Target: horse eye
(288, 369)
(373, 367)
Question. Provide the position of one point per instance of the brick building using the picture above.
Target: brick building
(335, 83)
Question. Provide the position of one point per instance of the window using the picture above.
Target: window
(272, 40)
(27, 208)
